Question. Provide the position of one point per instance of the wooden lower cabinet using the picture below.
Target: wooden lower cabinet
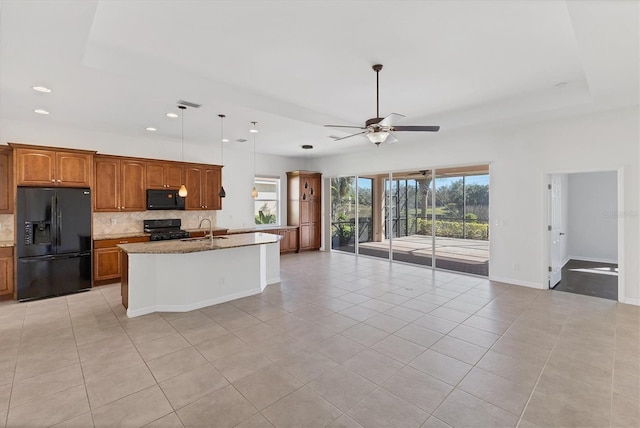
(107, 266)
(6, 272)
(289, 241)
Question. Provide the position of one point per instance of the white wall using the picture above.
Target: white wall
(593, 223)
(237, 174)
(520, 159)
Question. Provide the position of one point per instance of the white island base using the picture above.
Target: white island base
(181, 282)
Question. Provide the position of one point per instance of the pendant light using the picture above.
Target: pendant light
(183, 189)
(223, 140)
(254, 131)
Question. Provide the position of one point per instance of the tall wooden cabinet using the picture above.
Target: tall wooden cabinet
(52, 167)
(304, 207)
(6, 181)
(120, 184)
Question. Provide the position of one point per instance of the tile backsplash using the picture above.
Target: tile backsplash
(6, 227)
(131, 222)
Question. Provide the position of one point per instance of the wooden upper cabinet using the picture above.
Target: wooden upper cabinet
(173, 176)
(120, 184)
(213, 180)
(51, 167)
(106, 192)
(315, 187)
(203, 187)
(164, 175)
(6, 181)
(194, 180)
(133, 195)
(73, 169)
(35, 167)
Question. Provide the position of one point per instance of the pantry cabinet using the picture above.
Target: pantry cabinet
(304, 208)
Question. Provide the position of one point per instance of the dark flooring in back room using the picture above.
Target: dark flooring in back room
(590, 278)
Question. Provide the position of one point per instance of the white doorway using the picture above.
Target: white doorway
(584, 233)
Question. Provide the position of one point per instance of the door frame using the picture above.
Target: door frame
(546, 244)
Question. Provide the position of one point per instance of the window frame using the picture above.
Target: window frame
(269, 180)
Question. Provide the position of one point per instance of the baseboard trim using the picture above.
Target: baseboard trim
(629, 301)
(593, 259)
(517, 282)
(192, 306)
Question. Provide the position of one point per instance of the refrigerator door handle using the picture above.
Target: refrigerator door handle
(59, 222)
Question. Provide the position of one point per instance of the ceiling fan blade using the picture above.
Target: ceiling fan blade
(352, 135)
(391, 139)
(343, 126)
(391, 119)
(416, 128)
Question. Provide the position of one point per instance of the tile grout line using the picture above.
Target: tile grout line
(84, 380)
(15, 366)
(535, 386)
(613, 370)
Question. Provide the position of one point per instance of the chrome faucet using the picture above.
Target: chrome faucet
(210, 228)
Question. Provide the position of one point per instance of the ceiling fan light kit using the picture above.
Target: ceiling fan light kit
(378, 130)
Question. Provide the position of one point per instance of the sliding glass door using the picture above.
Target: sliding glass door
(436, 218)
(343, 214)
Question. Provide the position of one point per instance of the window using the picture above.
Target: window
(267, 204)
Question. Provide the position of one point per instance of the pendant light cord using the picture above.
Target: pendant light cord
(183, 108)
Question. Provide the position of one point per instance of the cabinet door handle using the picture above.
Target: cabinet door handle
(58, 181)
(124, 242)
(53, 180)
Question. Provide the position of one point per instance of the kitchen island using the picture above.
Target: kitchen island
(187, 274)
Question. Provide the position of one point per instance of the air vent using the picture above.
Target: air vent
(188, 104)
(307, 146)
(241, 140)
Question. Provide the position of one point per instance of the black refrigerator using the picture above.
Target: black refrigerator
(53, 241)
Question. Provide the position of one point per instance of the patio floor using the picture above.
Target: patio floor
(460, 255)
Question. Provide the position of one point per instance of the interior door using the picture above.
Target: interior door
(555, 233)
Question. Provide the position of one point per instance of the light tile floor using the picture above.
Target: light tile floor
(341, 342)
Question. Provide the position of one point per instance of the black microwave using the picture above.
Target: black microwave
(159, 199)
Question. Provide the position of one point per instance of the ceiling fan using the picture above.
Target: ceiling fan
(378, 130)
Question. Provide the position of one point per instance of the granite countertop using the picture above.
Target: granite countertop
(259, 228)
(6, 244)
(119, 235)
(178, 246)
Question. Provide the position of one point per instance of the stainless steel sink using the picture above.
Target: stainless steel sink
(202, 238)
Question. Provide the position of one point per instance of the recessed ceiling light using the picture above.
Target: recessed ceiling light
(225, 140)
(172, 115)
(40, 111)
(41, 89)
(151, 128)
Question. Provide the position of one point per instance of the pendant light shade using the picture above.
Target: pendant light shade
(223, 140)
(183, 189)
(254, 191)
